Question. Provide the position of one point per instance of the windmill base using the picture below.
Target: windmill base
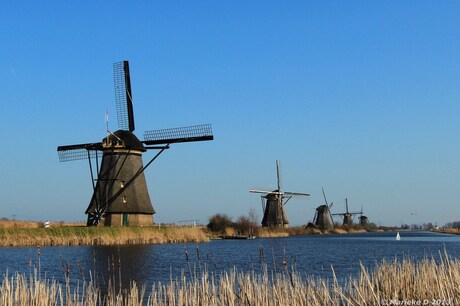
(276, 225)
(125, 219)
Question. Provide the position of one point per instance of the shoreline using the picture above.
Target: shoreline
(22, 233)
(82, 235)
(451, 231)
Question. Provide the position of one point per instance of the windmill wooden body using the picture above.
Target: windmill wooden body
(323, 217)
(347, 216)
(273, 203)
(120, 193)
(363, 220)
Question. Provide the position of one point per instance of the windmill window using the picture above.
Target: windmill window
(125, 199)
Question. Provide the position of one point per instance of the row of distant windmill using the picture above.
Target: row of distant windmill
(273, 203)
(120, 196)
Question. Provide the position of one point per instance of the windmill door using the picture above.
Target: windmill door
(125, 219)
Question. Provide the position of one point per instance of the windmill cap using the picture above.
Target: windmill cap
(322, 208)
(123, 139)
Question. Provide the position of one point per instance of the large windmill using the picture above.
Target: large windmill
(273, 203)
(323, 217)
(347, 216)
(120, 195)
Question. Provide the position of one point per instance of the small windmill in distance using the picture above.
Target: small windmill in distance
(363, 220)
(348, 216)
(273, 203)
(323, 217)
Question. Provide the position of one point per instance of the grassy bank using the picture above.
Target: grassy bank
(27, 233)
(37, 224)
(453, 231)
(390, 283)
(301, 230)
(67, 235)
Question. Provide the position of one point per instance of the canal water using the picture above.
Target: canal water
(148, 264)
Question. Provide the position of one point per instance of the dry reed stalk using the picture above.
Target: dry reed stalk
(425, 280)
(338, 231)
(454, 231)
(99, 236)
(266, 232)
(19, 224)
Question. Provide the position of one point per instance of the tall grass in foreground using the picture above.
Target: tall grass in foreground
(390, 283)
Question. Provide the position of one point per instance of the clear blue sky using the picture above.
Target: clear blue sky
(358, 97)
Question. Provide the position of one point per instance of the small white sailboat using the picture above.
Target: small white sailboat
(397, 236)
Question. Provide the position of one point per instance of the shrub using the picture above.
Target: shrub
(244, 225)
(219, 222)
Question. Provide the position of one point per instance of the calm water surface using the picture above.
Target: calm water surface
(308, 255)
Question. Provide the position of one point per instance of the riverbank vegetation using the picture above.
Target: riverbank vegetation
(6, 223)
(81, 235)
(221, 225)
(447, 230)
(426, 282)
(32, 233)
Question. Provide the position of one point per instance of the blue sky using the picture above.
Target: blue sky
(358, 97)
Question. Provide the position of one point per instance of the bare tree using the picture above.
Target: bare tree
(253, 217)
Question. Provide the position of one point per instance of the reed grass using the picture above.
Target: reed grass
(271, 232)
(29, 233)
(448, 230)
(36, 224)
(16, 224)
(54, 236)
(301, 230)
(406, 282)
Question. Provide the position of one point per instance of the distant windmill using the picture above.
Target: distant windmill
(273, 203)
(323, 218)
(363, 220)
(120, 195)
(348, 216)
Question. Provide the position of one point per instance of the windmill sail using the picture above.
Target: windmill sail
(123, 96)
(78, 151)
(182, 134)
(289, 194)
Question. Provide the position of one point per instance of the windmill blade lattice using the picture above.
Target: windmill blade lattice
(123, 96)
(78, 152)
(290, 194)
(181, 134)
